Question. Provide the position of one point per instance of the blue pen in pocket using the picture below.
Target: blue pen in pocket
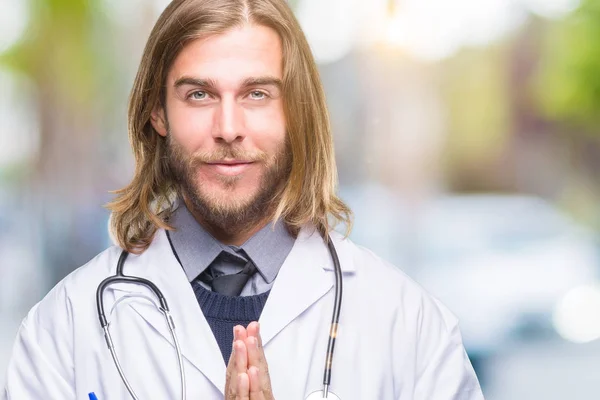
(92, 396)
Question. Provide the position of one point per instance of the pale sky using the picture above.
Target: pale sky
(426, 29)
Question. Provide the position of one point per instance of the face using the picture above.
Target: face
(225, 124)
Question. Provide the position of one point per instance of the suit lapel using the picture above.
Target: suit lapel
(303, 279)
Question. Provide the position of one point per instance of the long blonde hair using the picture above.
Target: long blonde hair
(308, 196)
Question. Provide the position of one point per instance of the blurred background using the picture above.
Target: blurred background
(468, 144)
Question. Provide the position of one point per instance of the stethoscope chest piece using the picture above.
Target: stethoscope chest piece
(319, 396)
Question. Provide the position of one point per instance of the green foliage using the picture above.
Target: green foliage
(58, 47)
(475, 88)
(568, 88)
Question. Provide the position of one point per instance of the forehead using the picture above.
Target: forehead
(230, 57)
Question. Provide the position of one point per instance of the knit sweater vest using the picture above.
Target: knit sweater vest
(224, 312)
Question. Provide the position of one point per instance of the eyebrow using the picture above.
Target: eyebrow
(194, 82)
(248, 82)
(263, 81)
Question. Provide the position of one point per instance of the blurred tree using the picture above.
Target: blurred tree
(568, 92)
(568, 87)
(475, 86)
(64, 55)
(58, 49)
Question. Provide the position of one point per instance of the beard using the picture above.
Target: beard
(229, 214)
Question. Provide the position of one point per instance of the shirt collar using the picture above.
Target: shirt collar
(268, 248)
(197, 249)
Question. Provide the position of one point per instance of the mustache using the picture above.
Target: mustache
(227, 152)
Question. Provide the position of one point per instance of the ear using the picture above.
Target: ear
(158, 120)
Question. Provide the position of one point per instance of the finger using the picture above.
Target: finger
(240, 358)
(255, 358)
(254, 330)
(256, 355)
(239, 389)
(256, 390)
(258, 362)
(239, 333)
(243, 387)
(238, 364)
(253, 343)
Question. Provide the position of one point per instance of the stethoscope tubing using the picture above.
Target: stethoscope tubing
(164, 309)
(335, 318)
(120, 277)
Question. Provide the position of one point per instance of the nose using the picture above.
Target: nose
(230, 122)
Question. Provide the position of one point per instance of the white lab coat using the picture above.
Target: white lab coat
(395, 341)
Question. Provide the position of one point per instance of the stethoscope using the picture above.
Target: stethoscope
(120, 277)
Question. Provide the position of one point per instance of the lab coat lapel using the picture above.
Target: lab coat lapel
(302, 280)
(197, 340)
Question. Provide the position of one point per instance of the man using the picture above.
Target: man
(229, 215)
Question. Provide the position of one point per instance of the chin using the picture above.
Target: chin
(229, 200)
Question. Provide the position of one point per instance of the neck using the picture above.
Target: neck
(236, 237)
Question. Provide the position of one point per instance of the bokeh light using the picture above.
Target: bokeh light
(13, 22)
(577, 314)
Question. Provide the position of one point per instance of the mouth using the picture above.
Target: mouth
(228, 161)
(229, 167)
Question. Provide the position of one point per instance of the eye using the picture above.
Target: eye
(198, 95)
(257, 95)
